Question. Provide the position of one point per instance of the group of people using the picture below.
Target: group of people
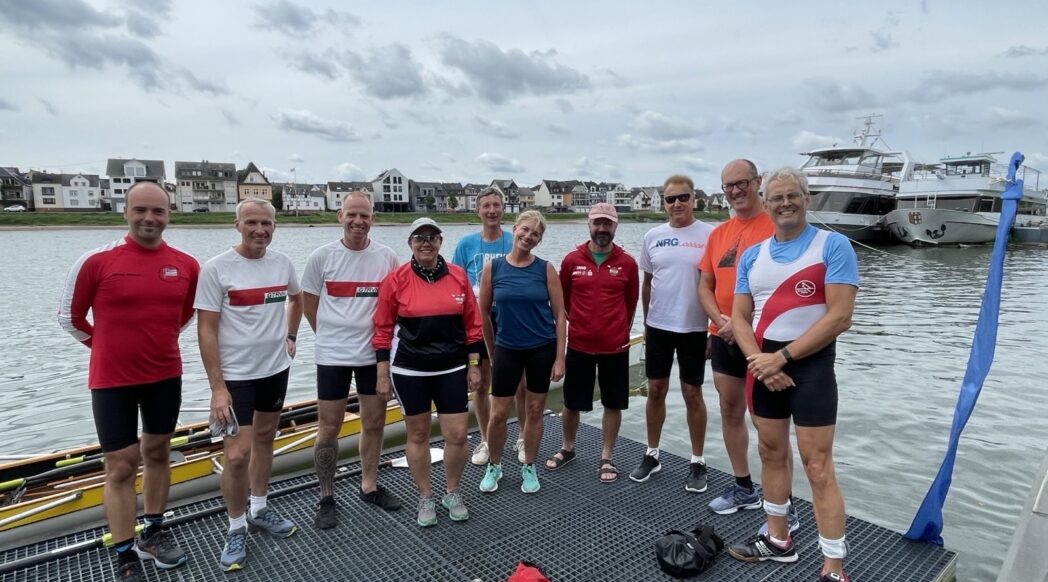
(770, 293)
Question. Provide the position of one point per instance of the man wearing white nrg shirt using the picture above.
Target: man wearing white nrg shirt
(674, 322)
(249, 307)
(340, 286)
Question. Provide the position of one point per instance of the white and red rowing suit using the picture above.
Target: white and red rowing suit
(788, 298)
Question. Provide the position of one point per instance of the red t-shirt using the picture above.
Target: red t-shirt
(139, 299)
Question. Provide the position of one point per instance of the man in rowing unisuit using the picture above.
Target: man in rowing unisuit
(794, 294)
(139, 291)
(674, 323)
(340, 286)
(249, 307)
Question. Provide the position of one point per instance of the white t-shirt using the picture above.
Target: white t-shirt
(672, 257)
(347, 283)
(251, 297)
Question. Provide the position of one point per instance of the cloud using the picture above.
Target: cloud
(348, 172)
(297, 158)
(297, 21)
(599, 168)
(315, 64)
(48, 106)
(7, 105)
(387, 119)
(387, 72)
(66, 15)
(749, 132)
(1019, 51)
(231, 117)
(696, 164)
(203, 85)
(789, 117)
(648, 144)
(500, 163)
(495, 127)
(304, 121)
(497, 75)
(999, 117)
(660, 126)
(939, 85)
(807, 140)
(881, 39)
(558, 129)
(564, 105)
(833, 97)
(1038, 158)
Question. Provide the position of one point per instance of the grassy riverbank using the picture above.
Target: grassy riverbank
(75, 219)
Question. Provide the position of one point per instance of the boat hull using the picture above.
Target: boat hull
(936, 226)
(867, 228)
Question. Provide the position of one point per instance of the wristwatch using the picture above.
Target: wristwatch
(786, 354)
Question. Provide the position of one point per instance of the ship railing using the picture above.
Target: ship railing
(830, 172)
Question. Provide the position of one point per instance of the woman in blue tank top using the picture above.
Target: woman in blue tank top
(530, 343)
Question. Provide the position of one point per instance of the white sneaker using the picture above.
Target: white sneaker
(480, 454)
(520, 450)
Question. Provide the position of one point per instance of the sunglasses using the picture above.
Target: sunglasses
(741, 185)
(425, 238)
(682, 197)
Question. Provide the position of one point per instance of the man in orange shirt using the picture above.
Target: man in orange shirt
(741, 186)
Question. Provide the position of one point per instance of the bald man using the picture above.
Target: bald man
(139, 291)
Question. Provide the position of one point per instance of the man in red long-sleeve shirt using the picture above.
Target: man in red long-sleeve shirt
(140, 293)
(601, 286)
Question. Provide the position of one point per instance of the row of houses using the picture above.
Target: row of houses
(217, 187)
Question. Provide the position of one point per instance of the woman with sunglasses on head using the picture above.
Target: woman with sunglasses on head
(530, 343)
(430, 305)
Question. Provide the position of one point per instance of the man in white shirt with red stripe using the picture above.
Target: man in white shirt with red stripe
(340, 287)
(249, 307)
(796, 293)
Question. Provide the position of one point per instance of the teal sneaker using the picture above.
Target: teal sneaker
(492, 475)
(427, 512)
(272, 523)
(529, 480)
(235, 553)
(456, 508)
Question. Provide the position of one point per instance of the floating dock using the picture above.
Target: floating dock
(576, 528)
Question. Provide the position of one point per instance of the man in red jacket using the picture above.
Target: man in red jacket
(601, 287)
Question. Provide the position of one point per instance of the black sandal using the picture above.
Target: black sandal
(606, 466)
(566, 457)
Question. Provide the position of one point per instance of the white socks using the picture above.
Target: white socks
(698, 459)
(257, 504)
(653, 452)
(834, 549)
(236, 523)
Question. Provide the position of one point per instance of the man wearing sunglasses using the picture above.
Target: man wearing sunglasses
(674, 323)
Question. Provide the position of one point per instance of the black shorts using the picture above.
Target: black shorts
(611, 371)
(727, 358)
(333, 381)
(261, 395)
(418, 394)
(535, 364)
(116, 411)
(813, 401)
(659, 346)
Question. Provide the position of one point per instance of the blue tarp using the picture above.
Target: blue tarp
(927, 524)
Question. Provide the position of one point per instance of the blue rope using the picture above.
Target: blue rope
(927, 524)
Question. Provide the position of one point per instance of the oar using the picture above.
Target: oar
(435, 456)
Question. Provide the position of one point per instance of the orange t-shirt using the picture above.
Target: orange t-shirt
(723, 249)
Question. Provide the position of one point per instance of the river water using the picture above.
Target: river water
(899, 370)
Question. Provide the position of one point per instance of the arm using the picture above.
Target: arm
(645, 295)
(384, 318)
(77, 298)
(187, 306)
(556, 302)
(742, 312)
(708, 301)
(310, 303)
(565, 285)
(474, 335)
(485, 300)
(632, 293)
(207, 337)
(294, 320)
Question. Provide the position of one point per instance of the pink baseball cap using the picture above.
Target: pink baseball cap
(603, 210)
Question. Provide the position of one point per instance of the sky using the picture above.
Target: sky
(625, 92)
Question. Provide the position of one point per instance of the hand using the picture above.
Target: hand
(765, 365)
(220, 404)
(558, 370)
(291, 348)
(473, 378)
(778, 382)
(725, 330)
(383, 387)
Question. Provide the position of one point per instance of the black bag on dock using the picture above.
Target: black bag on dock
(682, 554)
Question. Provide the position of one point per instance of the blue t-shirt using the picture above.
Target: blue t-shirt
(472, 252)
(842, 266)
(524, 317)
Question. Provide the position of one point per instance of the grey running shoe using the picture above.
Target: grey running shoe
(761, 549)
(735, 498)
(382, 498)
(648, 467)
(272, 523)
(456, 508)
(235, 553)
(327, 513)
(520, 451)
(792, 521)
(162, 549)
(696, 482)
(427, 512)
(130, 572)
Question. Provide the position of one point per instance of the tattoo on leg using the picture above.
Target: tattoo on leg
(325, 455)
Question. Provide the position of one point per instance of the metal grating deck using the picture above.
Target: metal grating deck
(576, 528)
